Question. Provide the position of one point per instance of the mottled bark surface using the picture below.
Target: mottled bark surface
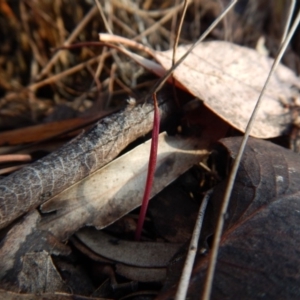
(38, 182)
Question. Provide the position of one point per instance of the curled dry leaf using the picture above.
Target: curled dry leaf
(141, 274)
(229, 78)
(259, 251)
(146, 254)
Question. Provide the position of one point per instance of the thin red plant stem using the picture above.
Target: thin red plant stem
(151, 169)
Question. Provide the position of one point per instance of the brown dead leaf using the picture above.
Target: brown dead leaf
(39, 274)
(20, 242)
(138, 254)
(229, 78)
(259, 250)
(111, 192)
(43, 131)
(45, 296)
(141, 274)
(37, 133)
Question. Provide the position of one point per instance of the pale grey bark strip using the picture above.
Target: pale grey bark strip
(37, 183)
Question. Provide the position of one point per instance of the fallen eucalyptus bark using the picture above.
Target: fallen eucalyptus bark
(113, 191)
(97, 200)
(42, 180)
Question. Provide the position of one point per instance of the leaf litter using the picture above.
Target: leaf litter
(208, 96)
(105, 196)
(260, 244)
(229, 79)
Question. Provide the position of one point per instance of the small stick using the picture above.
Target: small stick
(288, 22)
(11, 169)
(189, 262)
(186, 4)
(69, 71)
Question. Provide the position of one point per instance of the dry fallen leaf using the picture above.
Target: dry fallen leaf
(21, 240)
(100, 199)
(146, 254)
(141, 274)
(45, 131)
(228, 78)
(111, 192)
(45, 296)
(259, 250)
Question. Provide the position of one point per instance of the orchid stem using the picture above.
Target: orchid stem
(151, 169)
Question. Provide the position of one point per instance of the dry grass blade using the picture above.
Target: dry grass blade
(163, 80)
(72, 70)
(289, 19)
(189, 262)
(186, 3)
(107, 26)
(70, 39)
(219, 228)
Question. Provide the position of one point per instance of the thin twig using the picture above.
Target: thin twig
(151, 169)
(189, 262)
(288, 21)
(157, 24)
(69, 71)
(185, 6)
(173, 26)
(106, 24)
(104, 37)
(145, 13)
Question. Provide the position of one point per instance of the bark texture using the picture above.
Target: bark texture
(37, 183)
